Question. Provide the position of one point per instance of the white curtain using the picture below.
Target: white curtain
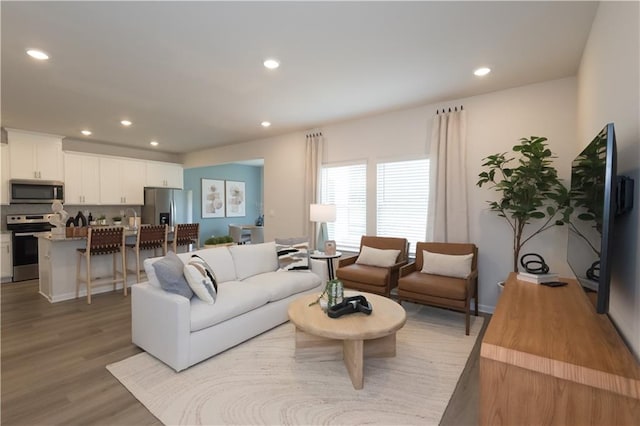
(448, 220)
(313, 168)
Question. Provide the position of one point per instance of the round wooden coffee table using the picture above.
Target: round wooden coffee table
(351, 337)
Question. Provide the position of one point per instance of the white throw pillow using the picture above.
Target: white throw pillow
(448, 265)
(200, 282)
(151, 271)
(293, 257)
(377, 257)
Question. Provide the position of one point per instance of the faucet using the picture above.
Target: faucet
(135, 218)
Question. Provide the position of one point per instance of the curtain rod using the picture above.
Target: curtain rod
(454, 108)
(313, 135)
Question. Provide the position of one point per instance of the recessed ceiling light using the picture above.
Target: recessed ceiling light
(153, 143)
(272, 64)
(37, 54)
(482, 71)
(265, 124)
(86, 132)
(126, 123)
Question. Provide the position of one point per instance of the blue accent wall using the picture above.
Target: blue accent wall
(252, 177)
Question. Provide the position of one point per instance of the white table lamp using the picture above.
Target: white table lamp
(321, 214)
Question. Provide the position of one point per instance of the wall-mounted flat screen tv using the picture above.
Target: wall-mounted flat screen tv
(592, 203)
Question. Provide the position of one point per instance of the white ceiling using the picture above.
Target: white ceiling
(190, 74)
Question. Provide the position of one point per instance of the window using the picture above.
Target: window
(346, 187)
(403, 200)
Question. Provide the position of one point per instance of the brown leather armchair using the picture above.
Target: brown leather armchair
(437, 290)
(374, 279)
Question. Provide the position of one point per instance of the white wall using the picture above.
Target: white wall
(609, 91)
(495, 123)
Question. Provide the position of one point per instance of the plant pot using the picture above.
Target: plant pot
(117, 222)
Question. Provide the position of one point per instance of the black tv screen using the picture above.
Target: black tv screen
(592, 201)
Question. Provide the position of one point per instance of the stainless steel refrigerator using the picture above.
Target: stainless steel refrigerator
(163, 205)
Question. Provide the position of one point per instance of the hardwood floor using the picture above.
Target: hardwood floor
(54, 358)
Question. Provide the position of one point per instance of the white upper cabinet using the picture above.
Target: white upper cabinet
(164, 175)
(122, 181)
(81, 179)
(5, 175)
(35, 155)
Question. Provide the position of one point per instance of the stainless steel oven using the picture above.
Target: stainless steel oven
(24, 228)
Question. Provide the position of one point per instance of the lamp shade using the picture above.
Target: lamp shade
(322, 212)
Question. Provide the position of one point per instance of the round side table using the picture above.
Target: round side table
(329, 258)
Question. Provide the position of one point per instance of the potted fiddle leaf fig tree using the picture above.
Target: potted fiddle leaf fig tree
(530, 192)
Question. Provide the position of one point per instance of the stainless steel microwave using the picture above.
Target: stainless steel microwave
(36, 191)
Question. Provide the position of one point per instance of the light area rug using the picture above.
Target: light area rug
(260, 382)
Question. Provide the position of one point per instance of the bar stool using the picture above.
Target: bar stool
(101, 241)
(185, 234)
(150, 237)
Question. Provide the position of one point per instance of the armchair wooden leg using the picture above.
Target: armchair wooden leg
(466, 320)
(476, 298)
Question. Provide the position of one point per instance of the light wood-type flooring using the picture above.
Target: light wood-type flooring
(54, 358)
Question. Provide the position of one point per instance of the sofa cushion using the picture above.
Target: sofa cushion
(234, 298)
(448, 265)
(151, 271)
(253, 259)
(170, 273)
(220, 261)
(364, 273)
(282, 284)
(434, 285)
(377, 257)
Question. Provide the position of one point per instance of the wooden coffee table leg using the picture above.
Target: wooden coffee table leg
(315, 348)
(354, 360)
(381, 347)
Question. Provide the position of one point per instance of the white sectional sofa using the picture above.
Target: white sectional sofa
(252, 298)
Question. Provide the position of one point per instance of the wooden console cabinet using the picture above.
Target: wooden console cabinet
(548, 359)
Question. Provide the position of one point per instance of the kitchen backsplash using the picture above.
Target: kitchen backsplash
(96, 211)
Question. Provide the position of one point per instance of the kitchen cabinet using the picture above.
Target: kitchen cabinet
(81, 179)
(4, 173)
(6, 257)
(164, 175)
(35, 155)
(122, 181)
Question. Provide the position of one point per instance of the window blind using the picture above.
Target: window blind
(346, 187)
(403, 200)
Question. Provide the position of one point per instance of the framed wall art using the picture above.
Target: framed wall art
(213, 198)
(236, 199)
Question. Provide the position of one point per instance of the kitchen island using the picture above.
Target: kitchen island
(58, 259)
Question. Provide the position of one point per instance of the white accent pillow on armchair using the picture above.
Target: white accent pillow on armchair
(377, 257)
(448, 265)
